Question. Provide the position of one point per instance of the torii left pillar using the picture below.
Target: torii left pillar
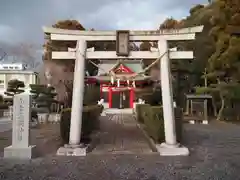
(74, 148)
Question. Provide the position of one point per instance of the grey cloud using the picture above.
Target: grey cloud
(26, 17)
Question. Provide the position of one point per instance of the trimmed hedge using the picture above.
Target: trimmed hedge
(147, 97)
(154, 124)
(90, 122)
(139, 112)
(152, 117)
(3, 105)
(91, 95)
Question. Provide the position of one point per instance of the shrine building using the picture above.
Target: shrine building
(119, 92)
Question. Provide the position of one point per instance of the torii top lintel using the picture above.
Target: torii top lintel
(169, 34)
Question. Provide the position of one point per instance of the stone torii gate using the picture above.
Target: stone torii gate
(122, 38)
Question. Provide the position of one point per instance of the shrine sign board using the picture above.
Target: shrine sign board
(122, 43)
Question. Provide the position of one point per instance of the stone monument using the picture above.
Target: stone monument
(20, 148)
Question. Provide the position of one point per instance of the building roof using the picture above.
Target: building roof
(108, 78)
(17, 72)
(107, 65)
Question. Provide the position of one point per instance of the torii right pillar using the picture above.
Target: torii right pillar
(170, 147)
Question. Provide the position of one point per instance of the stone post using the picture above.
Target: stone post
(167, 96)
(78, 93)
(170, 147)
(74, 147)
(20, 148)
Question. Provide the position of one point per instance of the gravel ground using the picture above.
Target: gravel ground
(215, 155)
(45, 137)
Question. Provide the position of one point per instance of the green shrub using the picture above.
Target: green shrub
(156, 97)
(8, 100)
(179, 123)
(2, 104)
(43, 97)
(91, 95)
(146, 96)
(90, 122)
(139, 110)
(14, 87)
(1, 99)
(154, 122)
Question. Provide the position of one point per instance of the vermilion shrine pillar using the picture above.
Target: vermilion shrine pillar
(131, 99)
(110, 97)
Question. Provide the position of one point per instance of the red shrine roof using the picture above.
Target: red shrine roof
(126, 66)
(121, 68)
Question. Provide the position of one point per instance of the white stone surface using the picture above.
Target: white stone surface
(141, 37)
(43, 118)
(100, 102)
(20, 128)
(192, 122)
(20, 153)
(188, 30)
(78, 91)
(172, 150)
(132, 55)
(205, 121)
(167, 95)
(54, 118)
(72, 151)
(73, 35)
(118, 111)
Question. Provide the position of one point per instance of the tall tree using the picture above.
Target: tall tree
(61, 71)
(171, 23)
(223, 65)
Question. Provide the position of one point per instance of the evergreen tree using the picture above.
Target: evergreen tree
(43, 97)
(223, 65)
(14, 87)
(2, 104)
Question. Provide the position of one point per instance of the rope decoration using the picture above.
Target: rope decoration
(133, 76)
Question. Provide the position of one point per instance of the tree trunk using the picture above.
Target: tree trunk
(214, 106)
(220, 112)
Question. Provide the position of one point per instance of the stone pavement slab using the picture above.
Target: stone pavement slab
(119, 134)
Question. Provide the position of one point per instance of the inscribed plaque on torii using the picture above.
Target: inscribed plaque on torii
(122, 43)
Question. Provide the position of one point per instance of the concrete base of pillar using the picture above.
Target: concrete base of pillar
(20, 153)
(103, 113)
(72, 150)
(172, 150)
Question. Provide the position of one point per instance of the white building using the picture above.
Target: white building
(16, 71)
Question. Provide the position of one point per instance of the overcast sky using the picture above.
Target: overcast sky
(22, 20)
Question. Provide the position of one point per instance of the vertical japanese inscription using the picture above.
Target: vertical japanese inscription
(20, 120)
